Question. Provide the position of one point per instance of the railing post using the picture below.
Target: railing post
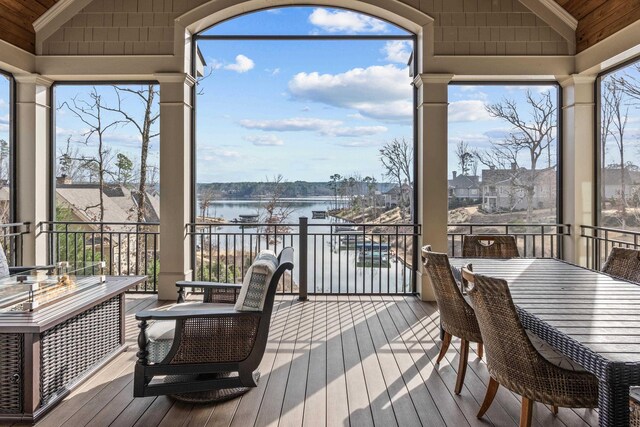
(302, 258)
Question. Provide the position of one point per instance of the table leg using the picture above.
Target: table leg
(613, 404)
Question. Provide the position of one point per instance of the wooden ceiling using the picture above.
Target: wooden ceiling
(597, 19)
(16, 21)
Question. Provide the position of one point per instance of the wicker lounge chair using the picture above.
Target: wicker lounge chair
(210, 351)
(623, 264)
(456, 315)
(489, 246)
(519, 360)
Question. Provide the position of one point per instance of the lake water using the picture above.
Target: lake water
(333, 265)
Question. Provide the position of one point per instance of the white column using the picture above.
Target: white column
(32, 166)
(432, 166)
(578, 176)
(175, 181)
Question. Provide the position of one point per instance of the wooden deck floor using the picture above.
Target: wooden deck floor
(332, 361)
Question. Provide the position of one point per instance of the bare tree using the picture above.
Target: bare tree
(397, 158)
(206, 198)
(145, 126)
(466, 159)
(628, 83)
(619, 116)
(530, 137)
(606, 117)
(92, 114)
(276, 209)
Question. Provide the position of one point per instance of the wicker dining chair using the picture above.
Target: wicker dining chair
(456, 315)
(624, 264)
(489, 246)
(514, 359)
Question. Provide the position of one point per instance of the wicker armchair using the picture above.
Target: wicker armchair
(489, 246)
(456, 315)
(208, 351)
(514, 361)
(623, 264)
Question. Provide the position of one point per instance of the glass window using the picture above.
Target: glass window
(107, 153)
(503, 143)
(6, 135)
(619, 148)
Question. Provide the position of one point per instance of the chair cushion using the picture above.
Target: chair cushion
(552, 355)
(4, 265)
(256, 282)
(161, 333)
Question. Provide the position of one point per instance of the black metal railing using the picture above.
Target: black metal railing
(128, 248)
(331, 258)
(599, 241)
(534, 240)
(11, 238)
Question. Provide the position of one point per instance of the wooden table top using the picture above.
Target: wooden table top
(57, 312)
(600, 312)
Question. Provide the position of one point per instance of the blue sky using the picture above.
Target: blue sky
(4, 107)
(306, 109)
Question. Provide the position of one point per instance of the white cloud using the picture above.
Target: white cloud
(3, 104)
(264, 140)
(468, 111)
(273, 72)
(354, 131)
(397, 51)
(334, 21)
(4, 119)
(334, 128)
(242, 64)
(290, 125)
(359, 143)
(380, 92)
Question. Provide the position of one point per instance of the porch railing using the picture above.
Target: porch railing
(331, 258)
(534, 240)
(128, 248)
(598, 242)
(11, 238)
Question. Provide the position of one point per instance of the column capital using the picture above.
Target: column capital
(34, 79)
(181, 78)
(576, 79)
(426, 78)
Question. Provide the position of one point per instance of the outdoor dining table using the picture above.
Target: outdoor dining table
(589, 316)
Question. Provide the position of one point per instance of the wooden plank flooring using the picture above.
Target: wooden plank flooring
(331, 361)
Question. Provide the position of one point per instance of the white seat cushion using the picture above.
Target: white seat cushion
(161, 333)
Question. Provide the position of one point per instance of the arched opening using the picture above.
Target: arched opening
(307, 112)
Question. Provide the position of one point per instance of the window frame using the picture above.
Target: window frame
(559, 121)
(597, 154)
(12, 145)
(51, 214)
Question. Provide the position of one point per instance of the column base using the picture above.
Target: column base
(425, 290)
(167, 290)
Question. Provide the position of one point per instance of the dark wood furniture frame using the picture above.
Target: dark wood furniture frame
(44, 354)
(246, 368)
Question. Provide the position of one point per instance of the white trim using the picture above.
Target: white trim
(557, 18)
(21, 61)
(56, 17)
(561, 13)
(396, 12)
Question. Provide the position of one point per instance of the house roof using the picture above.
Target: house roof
(119, 203)
(497, 176)
(465, 181)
